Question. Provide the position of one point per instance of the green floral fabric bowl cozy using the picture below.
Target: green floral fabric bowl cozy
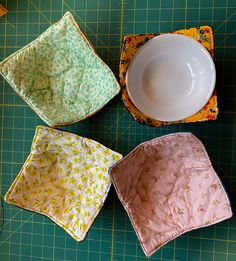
(60, 76)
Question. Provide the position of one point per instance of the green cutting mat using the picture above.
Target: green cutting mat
(29, 236)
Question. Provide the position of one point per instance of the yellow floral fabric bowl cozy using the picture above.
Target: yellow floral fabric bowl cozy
(65, 178)
(132, 43)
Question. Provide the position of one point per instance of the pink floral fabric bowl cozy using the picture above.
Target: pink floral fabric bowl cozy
(168, 187)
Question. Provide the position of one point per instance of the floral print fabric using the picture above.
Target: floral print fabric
(60, 76)
(168, 187)
(65, 177)
(131, 44)
(3, 10)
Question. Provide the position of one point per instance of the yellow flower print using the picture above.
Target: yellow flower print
(62, 160)
(83, 227)
(91, 175)
(106, 152)
(85, 146)
(36, 141)
(69, 145)
(89, 152)
(77, 206)
(105, 179)
(65, 155)
(77, 160)
(57, 137)
(98, 146)
(51, 170)
(105, 161)
(98, 197)
(34, 173)
(72, 193)
(79, 186)
(68, 138)
(71, 216)
(27, 187)
(87, 166)
(44, 199)
(116, 157)
(43, 209)
(65, 190)
(67, 210)
(72, 181)
(100, 176)
(68, 174)
(36, 202)
(75, 152)
(52, 131)
(99, 157)
(28, 168)
(48, 190)
(18, 190)
(62, 219)
(78, 210)
(74, 144)
(95, 203)
(57, 211)
(86, 214)
(88, 200)
(77, 238)
(36, 182)
(76, 170)
(59, 170)
(48, 146)
(63, 181)
(41, 161)
(88, 191)
(53, 179)
(59, 149)
(53, 201)
(84, 179)
(28, 162)
(38, 146)
(69, 166)
(76, 223)
(66, 226)
(35, 193)
(57, 146)
(95, 189)
(58, 187)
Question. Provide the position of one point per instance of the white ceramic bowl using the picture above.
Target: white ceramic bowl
(171, 77)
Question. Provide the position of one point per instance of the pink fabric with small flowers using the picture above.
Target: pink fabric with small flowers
(168, 187)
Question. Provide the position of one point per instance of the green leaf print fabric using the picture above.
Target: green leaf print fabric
(65, 177)
(60, 76)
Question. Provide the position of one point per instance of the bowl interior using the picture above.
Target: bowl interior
(171, 77)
